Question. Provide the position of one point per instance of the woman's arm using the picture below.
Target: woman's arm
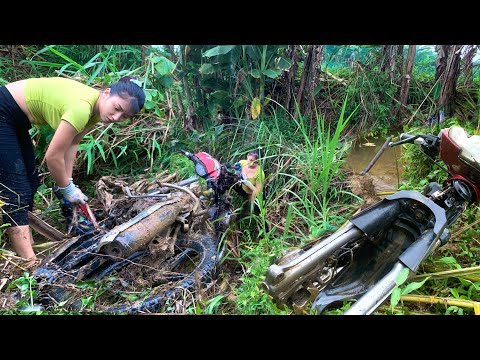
(71, 153)
(258, 185)
(248, 184)
(59, 150)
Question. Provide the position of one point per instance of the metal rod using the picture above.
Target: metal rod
(377, 156)
(374, 297)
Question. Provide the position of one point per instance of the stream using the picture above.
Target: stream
(387, 170)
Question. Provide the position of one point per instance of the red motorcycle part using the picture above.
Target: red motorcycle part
(207, 166)
(461, 154)
(88, 213)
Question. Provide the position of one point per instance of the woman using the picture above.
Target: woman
(253, 177)
(71, 109)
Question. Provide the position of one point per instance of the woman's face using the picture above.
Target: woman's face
(113, 108)
(252, 160)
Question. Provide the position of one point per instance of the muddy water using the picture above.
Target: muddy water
(388, 169)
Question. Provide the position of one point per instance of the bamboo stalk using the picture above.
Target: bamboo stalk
(475, 305)
(450, 273)
(465, 228)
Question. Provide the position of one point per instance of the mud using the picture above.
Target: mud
(367, 187)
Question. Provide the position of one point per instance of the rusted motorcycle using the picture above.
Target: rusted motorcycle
(361, 261)
(153, 244)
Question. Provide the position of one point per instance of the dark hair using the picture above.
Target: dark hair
(128, 86)
(254, 153)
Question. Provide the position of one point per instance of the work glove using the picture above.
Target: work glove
(73, 194)
(237, 166)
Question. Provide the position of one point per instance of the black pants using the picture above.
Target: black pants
(246, 205)
(18, 174)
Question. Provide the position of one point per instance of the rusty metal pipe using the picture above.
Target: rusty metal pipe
(135, 234)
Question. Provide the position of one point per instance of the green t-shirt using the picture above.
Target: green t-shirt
(257, 177)
(51, 100)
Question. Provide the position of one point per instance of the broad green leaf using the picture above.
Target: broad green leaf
(395, 297)
(148, 95)
(413, 286)
(448, 260)
(267, 100)
(219, 95)
(402, 276)
(206, 69)
(218, 50)
(283, 64)
(455, 293)
(239, 101)
(164, 66)
(256, 108)
(255, 73)
(272, 73)
(167, 81)
(149, 104)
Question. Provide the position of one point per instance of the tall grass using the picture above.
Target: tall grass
(299, 197)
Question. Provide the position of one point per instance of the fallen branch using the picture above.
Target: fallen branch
(44, 229)
(475, 305)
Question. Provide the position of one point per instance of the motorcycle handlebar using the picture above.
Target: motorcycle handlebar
(406, 138)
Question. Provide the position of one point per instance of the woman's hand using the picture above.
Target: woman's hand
(248, 184)
(73, 194)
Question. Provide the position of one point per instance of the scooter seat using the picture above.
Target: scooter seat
(469, 146)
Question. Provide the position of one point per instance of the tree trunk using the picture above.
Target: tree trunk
(403, 98)
(399, 61)
(315, 69)
(289, 78)
(171, 48)
(441, 61)
(383, 57)
(188, 119)
(392, 55)
(446, 102)
(309, 76)
(470, 51)
(306, 66)
(143, 50)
